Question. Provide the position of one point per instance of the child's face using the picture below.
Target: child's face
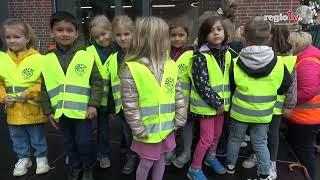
(16, 40)
(178, 37)
(64, 33)
(122, 36)
(102, 36)
(216, 36)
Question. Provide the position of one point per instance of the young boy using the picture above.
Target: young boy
(256, 78)
(72, 91)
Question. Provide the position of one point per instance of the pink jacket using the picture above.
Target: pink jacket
(308, 75)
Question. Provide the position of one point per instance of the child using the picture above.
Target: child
(103, 51)
(72, 91)
(210, 94)
(123, 29)
(252, 106)
(285, 103)
(182, 54)
(20, 92)
(152, 99)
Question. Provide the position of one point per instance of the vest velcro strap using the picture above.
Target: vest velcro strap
(308, 106)
(227, 101)
(106, 82)
(71, 105)
(154, 128)
(154, 110)
(249, 112)
(254, 99)
(278, 105)
(117, 102)
(116, 88)
(15, 89)
(185, 86)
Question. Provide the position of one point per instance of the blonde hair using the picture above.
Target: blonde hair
(151, 41)
(101, 21)
(228, 3)
(123, 21)
(299, 41)
(23, 27)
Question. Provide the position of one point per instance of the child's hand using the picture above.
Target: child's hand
(220, 110)
(143, 135)
(91, 112)
(286, 112)
(53, 121)
(23, 98)
(9, 101)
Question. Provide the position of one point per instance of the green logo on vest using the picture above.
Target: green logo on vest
(169, 84)
(80, 69)
(27, 73)
(182, 68)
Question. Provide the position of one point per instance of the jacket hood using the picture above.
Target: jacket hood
(310, 51)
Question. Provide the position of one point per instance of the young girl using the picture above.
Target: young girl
(20, 92)
(182, 54)
(152, 98)
(210, 94)
(123, 29)
(101, 34)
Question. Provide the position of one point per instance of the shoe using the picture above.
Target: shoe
(66, 161)
(196, 174)
(104, 162)
(246, 138)
(250, 162)
(21, 167)
(243, 144)
(273, 170)
(231, 169)
(216, 166)
(42, 165)
(264, 177)
(74, 174)
(87, 175)
(181, 160)
(169, 157)
(130, 165)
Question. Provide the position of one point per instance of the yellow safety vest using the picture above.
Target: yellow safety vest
(115, 82)
(156, 102)
(289, 62)
(254, 98)
(218, 80)
(69, 93)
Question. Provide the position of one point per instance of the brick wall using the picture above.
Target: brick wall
(37, 13)
(250, 8)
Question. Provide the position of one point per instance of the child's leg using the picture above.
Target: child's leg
(103, 133)
(206, 138)
(236, 135)
(20, 141)
(158, 168)
(143, 169)
(38, 139)
(218, 124)
(187, 136)
(259, 140)
(273, 137)
(223, 141)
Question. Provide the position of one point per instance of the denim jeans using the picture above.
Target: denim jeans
(103, 133)
(273, 137)
(259, 137)
(26, 136)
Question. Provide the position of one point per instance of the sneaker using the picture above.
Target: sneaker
(21, 167)
(42, 165)
(246, 138)
(104, 162)
(66, 161)
(130, 165)
(231, 169)
(215, 165)
(244, 144)
(250, 162)
(196, 174)
(169, 157)
(273, 170)
(181, 160)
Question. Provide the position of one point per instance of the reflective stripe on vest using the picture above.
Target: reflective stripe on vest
(289, 62)
(251, 103)
(69, 92)
(104, 72)
(115, 82)
(219, 82)
(156, 102)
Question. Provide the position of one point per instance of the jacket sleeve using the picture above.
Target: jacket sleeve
(291, 95)
(200, 78)
(45, 100)
(34, 92)
(181, 108)
(130, 101)
(96, 84)
(3, 92)
(286, 82)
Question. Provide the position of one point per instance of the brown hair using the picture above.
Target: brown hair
(279, 41)
(205, 29)
(23, 27)
(257, 31)
(179, 22)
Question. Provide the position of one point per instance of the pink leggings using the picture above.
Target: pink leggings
(158, 168)
(210, 131)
